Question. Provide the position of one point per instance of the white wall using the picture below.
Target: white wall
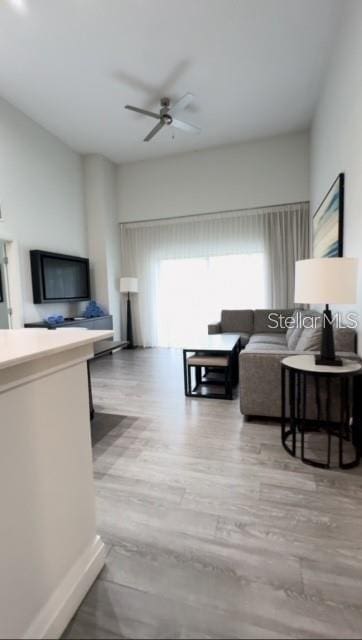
(100, 191)
(336, 140)
(41, 198)
(259, 173)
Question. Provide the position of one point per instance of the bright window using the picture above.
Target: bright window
(192, 293)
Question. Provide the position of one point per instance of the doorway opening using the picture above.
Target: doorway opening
(5, 303)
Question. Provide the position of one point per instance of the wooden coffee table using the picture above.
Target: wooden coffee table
(208, 348)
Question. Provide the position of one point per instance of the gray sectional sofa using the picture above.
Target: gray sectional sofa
(264, 345)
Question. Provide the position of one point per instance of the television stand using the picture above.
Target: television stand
(102, 323)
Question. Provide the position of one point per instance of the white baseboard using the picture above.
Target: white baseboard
(57, 612)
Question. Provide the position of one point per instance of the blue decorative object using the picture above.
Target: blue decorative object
(93, 310)
(54, 320)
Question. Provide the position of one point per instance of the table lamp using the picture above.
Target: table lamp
(326, 281)
(129, 285)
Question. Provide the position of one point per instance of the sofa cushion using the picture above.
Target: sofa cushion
(268, 338)
(238, 321)
(260, 347)
(267, 320)
(244, 337)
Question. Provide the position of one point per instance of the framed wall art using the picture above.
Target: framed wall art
(328, 223)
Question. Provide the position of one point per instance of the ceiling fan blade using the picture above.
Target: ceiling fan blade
(182, 103)
(155, 130)
(143, 111)
(185, 126)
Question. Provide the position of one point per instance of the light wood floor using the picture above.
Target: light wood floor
(212, 530)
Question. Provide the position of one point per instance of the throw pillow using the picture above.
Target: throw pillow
(293, 338)
(293, 333)
(310, 340)
(345, 339)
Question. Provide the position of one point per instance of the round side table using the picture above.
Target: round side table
(302, 373)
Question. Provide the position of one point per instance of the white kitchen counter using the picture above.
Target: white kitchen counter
(50, 553)
(22, 345)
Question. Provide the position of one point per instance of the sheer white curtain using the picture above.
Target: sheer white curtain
(287, 239)
(190, 268)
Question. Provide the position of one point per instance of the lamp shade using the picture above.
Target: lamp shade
(326, 281)
(128, 285)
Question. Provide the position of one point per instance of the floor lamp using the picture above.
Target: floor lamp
(326, 281)
(129, 285)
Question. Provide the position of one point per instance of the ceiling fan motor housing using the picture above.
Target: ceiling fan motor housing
(166, 118)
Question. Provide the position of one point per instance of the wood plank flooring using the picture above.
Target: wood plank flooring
(212, 530)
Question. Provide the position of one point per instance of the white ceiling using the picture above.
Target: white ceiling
(254, 66)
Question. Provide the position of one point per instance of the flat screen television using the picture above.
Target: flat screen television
(59, 278)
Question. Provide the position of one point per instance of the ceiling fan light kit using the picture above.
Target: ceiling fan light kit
(166, 116)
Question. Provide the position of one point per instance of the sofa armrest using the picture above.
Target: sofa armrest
(260, 380)
(214, 328)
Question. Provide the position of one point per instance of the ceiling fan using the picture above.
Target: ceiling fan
(166, 115)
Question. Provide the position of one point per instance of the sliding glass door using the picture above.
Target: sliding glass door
(193, 291)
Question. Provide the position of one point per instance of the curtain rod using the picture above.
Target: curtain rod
(210, 213)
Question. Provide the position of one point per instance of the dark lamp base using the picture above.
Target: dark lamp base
(335, 362)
